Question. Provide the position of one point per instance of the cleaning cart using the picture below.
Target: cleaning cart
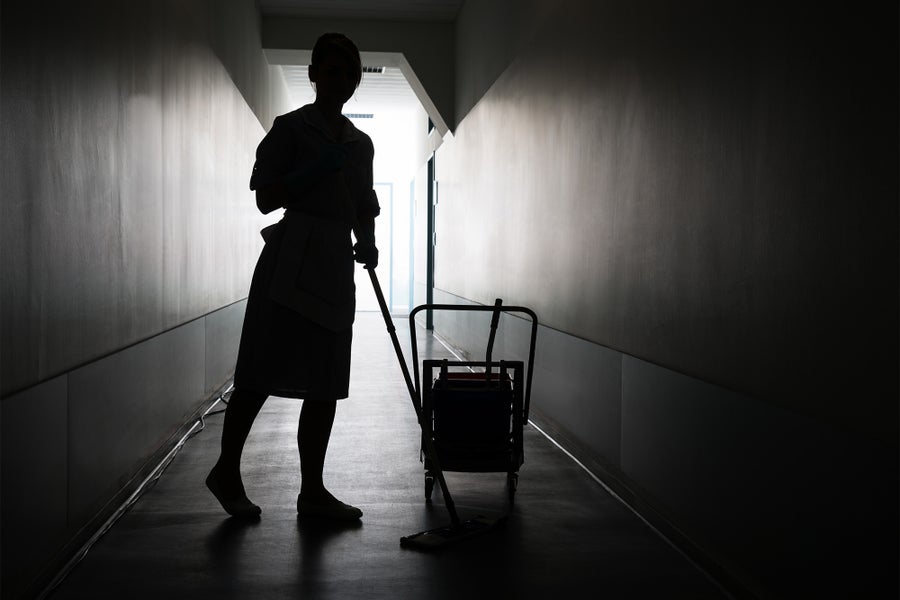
(474, 411)
(435, 539)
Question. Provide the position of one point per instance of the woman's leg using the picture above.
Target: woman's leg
(224, 479)
(313, 433)
(316, 419)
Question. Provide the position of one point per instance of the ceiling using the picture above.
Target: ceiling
(378, 91)
(392, 10)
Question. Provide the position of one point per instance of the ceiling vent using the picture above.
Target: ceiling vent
(359, 115)
(379, 70)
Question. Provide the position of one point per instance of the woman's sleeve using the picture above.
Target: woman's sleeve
(274, 155)
(367, 205)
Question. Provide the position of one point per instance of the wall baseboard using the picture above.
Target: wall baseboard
(767, 501)
(68, 557)
(76, 447)
(638, 501)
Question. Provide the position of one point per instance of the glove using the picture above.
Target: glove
(366, 253)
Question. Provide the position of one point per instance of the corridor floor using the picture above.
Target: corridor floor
(565, 537)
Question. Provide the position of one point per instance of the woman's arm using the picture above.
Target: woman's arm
(364, 250)
(364, 229)
(289, 190)
(272, 197)
(273, 156)
(366, 209)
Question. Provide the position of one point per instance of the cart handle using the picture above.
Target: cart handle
(495, 321)
(496, 309)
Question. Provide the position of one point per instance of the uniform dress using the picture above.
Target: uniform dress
(297, 328)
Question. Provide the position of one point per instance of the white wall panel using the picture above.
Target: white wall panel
(127, 138)
(761, 487)
(35, 483)
(122, 408)
(127, 150)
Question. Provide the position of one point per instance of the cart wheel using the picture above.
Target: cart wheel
(512, 483)
(429, 487)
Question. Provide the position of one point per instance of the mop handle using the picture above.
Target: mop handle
(393, 333)
(425, 427)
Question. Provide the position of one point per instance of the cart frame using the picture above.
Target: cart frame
(498, 383)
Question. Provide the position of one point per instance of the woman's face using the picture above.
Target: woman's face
(335, 78)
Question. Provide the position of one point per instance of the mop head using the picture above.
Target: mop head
(441, 537)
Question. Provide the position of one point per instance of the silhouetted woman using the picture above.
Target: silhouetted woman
(297, 329)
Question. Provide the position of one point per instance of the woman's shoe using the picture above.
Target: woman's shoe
(336, 511)
(235, 505)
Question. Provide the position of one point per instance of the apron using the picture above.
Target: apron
(314, 270)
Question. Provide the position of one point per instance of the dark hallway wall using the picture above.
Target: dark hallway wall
(700, 201)
(710, 188)
(129, 235)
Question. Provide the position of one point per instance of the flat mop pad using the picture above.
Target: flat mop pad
(441, 537)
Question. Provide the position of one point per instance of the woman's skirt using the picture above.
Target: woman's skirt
(283, 353)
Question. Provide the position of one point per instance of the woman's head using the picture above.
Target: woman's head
(336, 65)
